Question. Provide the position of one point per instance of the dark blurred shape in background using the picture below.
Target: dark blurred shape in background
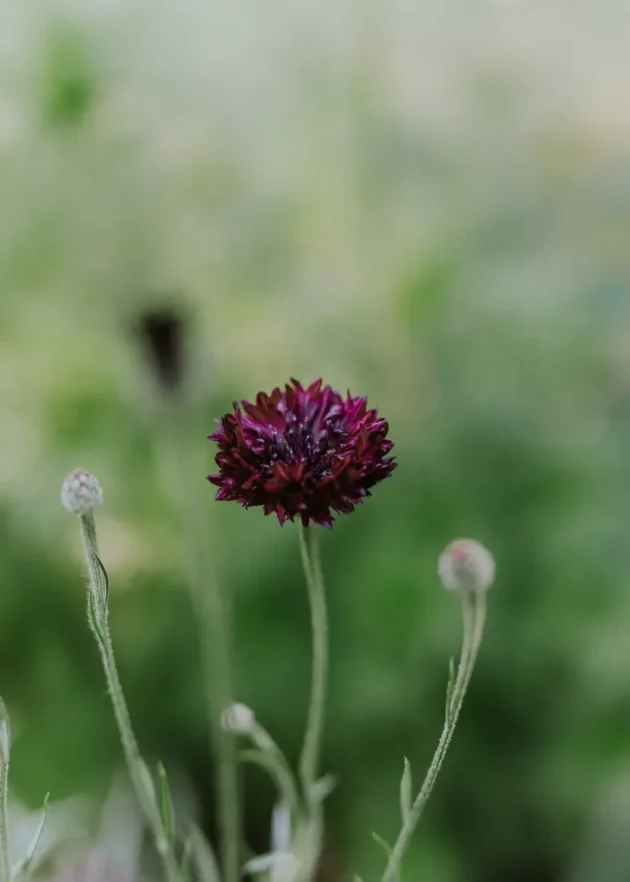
(161, 333)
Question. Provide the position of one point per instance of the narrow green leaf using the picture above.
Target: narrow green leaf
(449, 686)
(406, 796)
(383, 844)
(166, 804)
(23, 865)
(322, 788)
(5, 734)
(105, 577)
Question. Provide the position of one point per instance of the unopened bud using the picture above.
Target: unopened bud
(81, 492)
(466, 565)
(238, 719)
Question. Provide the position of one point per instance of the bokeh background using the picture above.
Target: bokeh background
(426, 202)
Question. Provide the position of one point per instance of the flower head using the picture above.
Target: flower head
(301, 452)
(466, 565)
(81, 492)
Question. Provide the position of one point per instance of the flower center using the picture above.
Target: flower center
(299, 444)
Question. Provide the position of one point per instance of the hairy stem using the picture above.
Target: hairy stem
(473, 615)
(138, 772)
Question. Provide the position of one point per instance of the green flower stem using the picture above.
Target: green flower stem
(5, 752)
(309, 759)
(138, 772)
(473, 615)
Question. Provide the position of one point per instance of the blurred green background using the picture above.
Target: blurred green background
(428, 203)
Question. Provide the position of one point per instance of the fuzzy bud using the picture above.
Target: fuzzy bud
(81, 492)
(238, 719)
(466, 565)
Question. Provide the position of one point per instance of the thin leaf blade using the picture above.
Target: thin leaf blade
(22, 867)
(449, 687)
(166, 804)
(406, 791)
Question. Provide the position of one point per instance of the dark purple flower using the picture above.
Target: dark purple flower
(301, 452)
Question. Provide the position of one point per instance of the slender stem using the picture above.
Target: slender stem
(309, 759)
(464, 668)
(473, 614)
(138, 772)
(5, 752)
(98, 581)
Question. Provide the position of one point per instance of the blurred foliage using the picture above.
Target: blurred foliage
(447, 235)
(68, 82)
